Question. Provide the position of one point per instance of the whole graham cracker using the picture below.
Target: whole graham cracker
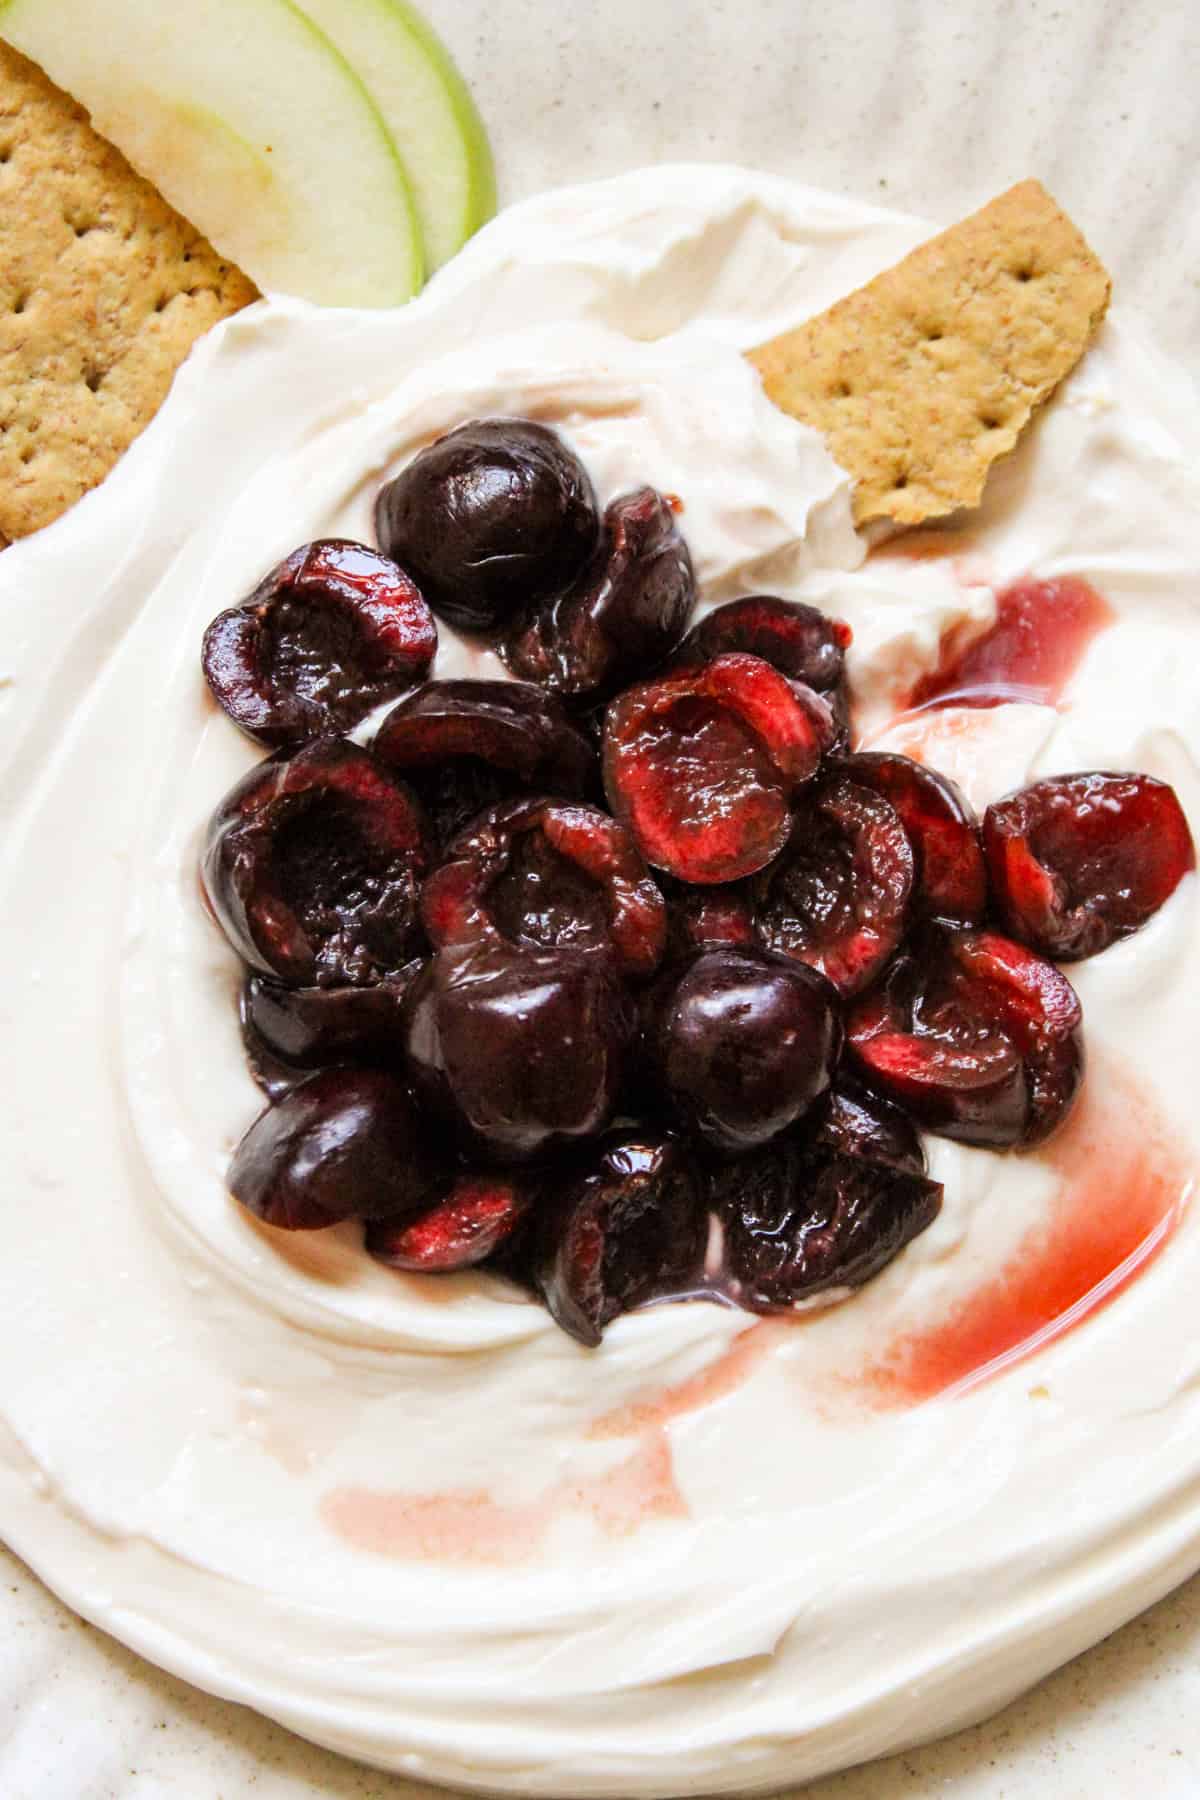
(103, 291)
(921, 379)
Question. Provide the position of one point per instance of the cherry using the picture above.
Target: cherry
(1079, 861)
(475, 1219)
(464, 745)
(551, 876)
(974, 1036)
(950, 879)
(627, 1226)
(800, 1222)
(522, 1050)
(794, 638)
(345, 1144)
(838, 897)
(626, 612)
(742, 1042)
(330, 633)
(492, 518)
(702, 765)
(312, 866)
(289, 1032)
(856, 1122)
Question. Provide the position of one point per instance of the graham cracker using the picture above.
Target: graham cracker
(103, 291)
(921, 379)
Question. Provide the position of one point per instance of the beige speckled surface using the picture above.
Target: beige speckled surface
(932, 108)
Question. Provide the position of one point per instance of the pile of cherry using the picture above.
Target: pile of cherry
(625, 977)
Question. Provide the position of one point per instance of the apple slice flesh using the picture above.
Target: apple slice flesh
(427, 109)
(250, 123)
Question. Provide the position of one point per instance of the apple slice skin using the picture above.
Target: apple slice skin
(231, 108)
(428, 112)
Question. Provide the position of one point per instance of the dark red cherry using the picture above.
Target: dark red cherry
(838, 897)
(950, 879)
(742, 1043)
(288, 1032)
(465, 745)
(1079, 861)
(346, 1144)
(627, 1225)
(800, 1222)
(474, 1220)
(312, 866)
(491, 519)
(333, 631)
(626, 612)
(856, 1122)
(974, 1036)
(551, 876)
(522, 1050)
(796, 639)
(703, 764)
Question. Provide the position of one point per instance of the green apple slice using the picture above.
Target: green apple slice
(428, 112)
(252, 124)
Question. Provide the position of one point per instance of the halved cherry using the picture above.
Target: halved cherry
(628, 1225)
(974, 1036)
(838, 897)
(347, 1143)
(626, 612)
(703, 765)
(521, 1050)
(312, 865)
(800, 1222)
(479, 1214)
(333, 631)
(288, 1032)
(1080, 861)
(950, 877)
(794, 638)
(466, 745)
(551, 876)
(856, 1122)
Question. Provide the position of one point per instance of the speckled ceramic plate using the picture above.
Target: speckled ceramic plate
(930, 109)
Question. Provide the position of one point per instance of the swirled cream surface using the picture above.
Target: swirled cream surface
(410, 1518)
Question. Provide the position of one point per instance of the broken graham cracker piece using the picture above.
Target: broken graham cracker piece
(103, 291)
(921, 379)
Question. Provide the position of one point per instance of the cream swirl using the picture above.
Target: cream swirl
(410, 1518)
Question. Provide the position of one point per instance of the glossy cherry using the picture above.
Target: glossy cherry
(333, 631)
(550, 876)
(465, 745)
(801, 1222)
(288, 1032)
(491, 519)
(794, 638)
(856, 1122)
(949, 878)
(475, 1219)
(976, 1037)
(312, 865)
(627, 1225)
(626, 612)
(1080, 861)
(521, 1050)
(742, 1043)
(703, 765)
(838, 897)
(347, 1143)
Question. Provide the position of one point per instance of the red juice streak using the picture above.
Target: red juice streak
(1124, 1185)
(470, 1526)
(1029, 652)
